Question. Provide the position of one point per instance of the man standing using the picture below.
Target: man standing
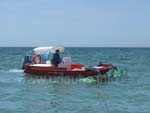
(56, 58)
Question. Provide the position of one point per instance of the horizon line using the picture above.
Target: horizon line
(77, 46)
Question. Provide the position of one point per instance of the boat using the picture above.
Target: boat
(38, 62)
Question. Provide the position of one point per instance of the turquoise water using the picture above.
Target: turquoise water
(19, 94)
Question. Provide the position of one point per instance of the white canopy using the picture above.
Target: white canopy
(49, 49)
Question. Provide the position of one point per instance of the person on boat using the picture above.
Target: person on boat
(56, 59)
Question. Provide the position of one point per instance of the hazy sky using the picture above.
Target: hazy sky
(106, 23)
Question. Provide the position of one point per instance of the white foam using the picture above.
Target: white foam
(16, 71)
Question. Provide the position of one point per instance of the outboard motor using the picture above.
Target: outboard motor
(25, 60)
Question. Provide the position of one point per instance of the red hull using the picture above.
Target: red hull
(55, 71)
(62, 71)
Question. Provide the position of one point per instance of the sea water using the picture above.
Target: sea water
(22, 94)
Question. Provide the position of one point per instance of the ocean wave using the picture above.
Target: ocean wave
(15, 71)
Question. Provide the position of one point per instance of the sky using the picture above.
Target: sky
(75, 23)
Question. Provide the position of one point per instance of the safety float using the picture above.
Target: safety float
(38, 62)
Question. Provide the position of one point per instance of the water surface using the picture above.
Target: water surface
(20, 94)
